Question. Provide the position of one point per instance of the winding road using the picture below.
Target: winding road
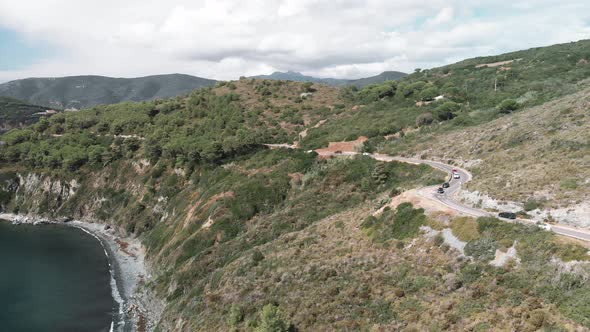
(449, 199)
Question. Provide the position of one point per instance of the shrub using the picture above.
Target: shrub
(483, 249)
(236, 315)
(271, 320)
(439, 240)
(446, 111)
(308, 87)
(470, 273)
(532, 204)
(537, 318)
(465, 228)
(257, 257)
(424, 119)
(406, 222)
(429, 94)
(508, 106)
(573, 252)
(569, 184)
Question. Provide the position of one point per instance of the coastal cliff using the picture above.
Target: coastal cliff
(37, 198)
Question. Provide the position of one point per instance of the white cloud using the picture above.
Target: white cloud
(228, 38)
(445, 15)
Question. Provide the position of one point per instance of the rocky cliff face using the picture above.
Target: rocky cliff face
(104, 197)
(43, 195)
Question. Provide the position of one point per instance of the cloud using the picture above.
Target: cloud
(445, 15)
(227, 38)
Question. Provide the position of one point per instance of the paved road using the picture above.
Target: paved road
(449, 197)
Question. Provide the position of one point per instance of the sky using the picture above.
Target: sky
(225, 39)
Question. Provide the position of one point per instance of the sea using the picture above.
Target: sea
(53, 278)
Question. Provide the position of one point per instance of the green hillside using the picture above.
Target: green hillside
(242, 237)
(473, 94)
(17, 114)
(87, 91)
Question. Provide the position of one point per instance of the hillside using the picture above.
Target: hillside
(466, 107)
(17, 114)
(87, 91)
(298, 77)
(471, 93)
(242, 237)
(535, 158)
(384, 76)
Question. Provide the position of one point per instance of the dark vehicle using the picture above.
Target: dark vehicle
(440, 191)
(507, 215)
(446, 185)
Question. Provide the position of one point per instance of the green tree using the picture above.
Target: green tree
(271, 320)
(379, 174)
(428, 94)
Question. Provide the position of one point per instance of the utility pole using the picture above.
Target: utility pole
(495, 84)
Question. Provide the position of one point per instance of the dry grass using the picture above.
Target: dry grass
(465, 228)
(331, 277)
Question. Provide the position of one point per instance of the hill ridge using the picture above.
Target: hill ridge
(83, 91)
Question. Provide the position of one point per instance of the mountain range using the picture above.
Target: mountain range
(298, 77)
(87, 91)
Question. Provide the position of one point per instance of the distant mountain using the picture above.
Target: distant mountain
(384, 76)
(87, 91)
(17, 114)
(298, 77)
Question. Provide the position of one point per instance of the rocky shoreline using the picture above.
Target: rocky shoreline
(139, 309)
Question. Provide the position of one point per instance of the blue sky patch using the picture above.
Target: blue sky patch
(16, 52)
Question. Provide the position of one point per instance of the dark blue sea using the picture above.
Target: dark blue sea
(53, 278)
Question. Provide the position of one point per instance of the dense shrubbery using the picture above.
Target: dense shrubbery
(400, 224)
(15, 113)
(203, 128)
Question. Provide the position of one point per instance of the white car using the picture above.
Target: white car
(456, 176)
(544, 226)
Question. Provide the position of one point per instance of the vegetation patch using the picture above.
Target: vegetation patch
(400, 224)
(465, 228)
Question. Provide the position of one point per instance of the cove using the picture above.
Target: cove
(53, 278)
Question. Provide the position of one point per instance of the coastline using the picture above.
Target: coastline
(128, 269)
